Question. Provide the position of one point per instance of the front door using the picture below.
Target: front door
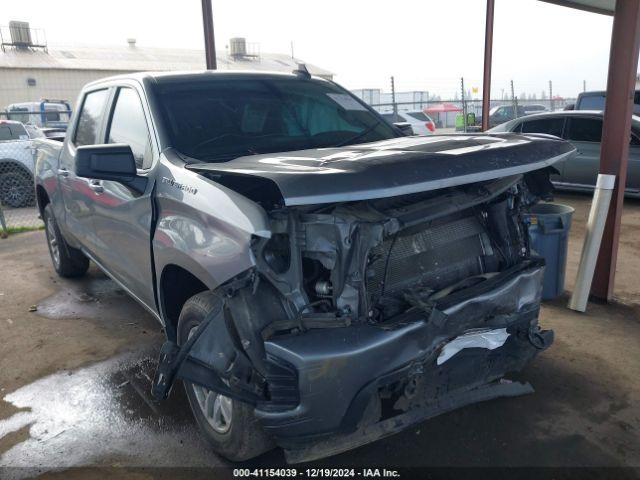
(122, 217)
(585, 135)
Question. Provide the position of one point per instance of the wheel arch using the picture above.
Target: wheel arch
(177, 284)
(8, 163)
(42, 199)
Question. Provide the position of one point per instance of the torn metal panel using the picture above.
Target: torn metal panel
(489, 339)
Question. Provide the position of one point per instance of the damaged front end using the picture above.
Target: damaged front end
(361, 318)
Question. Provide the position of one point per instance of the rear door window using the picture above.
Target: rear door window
(592, 102)
(551, 126)
(128, 126)
(584, 130)
(90, 118)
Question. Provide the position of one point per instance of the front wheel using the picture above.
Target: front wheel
(228, 425)
(67, 261)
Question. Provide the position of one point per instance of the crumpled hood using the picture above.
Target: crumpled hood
(394, 167)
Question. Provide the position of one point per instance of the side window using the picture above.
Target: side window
(128, 126)
(592, 102)
(90, 116)
(551, 126)
(584, 130)
(13, 131)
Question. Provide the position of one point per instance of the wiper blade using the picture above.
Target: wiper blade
(359, 135)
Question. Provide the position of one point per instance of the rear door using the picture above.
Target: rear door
(585, 134)
(121, 216)
(78, 194)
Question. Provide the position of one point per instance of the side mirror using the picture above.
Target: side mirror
(405, 128)
(113, 162)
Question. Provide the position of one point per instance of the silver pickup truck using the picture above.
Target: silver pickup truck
(323, 280)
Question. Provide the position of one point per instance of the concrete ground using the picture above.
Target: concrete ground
(75, 373)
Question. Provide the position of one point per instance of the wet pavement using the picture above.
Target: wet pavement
(102, 415)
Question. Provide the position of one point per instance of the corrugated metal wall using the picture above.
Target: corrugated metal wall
(58, 84)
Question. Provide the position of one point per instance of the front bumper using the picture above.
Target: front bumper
(339, 371)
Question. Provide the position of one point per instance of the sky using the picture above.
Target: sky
(426, 45)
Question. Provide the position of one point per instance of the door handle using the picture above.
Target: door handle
(96, 186)
(63, 172)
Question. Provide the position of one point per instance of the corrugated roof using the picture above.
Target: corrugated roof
(605, 7)
(140, 59)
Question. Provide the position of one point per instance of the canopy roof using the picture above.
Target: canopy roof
(441, 108)
(605, 7)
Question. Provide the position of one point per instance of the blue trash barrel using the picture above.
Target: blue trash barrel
(549, 225)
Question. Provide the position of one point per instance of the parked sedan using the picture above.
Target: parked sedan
(420, 122)
(583, 128)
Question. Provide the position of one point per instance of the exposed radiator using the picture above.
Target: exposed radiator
(433, 257)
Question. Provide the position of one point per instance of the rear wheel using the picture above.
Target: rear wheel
(67, 261)
(16, 189)
(229, 426)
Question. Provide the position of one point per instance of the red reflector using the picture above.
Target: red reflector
(430, 126)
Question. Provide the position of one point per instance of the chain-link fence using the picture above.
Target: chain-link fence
(447, 113)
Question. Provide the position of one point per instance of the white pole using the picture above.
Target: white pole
(592, 239)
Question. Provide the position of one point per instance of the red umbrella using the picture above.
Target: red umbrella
(441, 108)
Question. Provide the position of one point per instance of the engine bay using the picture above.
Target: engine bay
(370, 261)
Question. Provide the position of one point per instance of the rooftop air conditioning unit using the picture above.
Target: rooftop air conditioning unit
(20, 33)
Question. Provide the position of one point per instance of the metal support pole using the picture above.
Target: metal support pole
(464, 106)
(3, 224)
(488, 52)
(592, 239)
(514, 102)
(616, 131)
(393, 99)
(209, 40)
(550, 95)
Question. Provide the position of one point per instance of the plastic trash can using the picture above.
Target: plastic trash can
(549, 225)
(471, 118)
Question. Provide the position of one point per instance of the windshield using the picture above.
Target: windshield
(223, 119)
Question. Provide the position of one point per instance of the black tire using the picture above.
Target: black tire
(67, 261)
(17, 189)
(245, 438)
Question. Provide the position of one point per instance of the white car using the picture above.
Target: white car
(420, 122)
(16, 164)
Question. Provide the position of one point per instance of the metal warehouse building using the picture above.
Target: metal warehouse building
(32, 71)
